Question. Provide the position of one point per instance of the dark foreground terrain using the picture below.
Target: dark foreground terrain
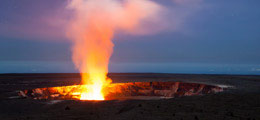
(240, 101)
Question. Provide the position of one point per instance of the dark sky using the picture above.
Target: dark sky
(210, 36)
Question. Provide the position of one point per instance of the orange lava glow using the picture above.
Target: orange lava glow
(117, 91)
(91, 31)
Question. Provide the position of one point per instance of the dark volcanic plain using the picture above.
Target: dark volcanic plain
(239, 102)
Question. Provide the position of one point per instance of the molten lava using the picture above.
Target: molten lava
(115, 91)
(91, 30)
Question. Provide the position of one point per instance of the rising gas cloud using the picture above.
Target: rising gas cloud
(92, 29)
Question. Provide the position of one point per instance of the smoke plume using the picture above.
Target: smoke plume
(92, 29)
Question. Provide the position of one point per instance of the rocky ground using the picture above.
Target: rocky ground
(241, 101)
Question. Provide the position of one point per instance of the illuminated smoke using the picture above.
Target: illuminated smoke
(92, 28)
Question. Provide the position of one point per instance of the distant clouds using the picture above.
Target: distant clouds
(32, 19)
(46, 20)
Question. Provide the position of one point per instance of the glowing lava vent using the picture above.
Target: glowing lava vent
(137, 90)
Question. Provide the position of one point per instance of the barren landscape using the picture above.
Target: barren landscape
(239, 100)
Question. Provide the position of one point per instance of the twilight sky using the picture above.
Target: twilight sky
(198, 36)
